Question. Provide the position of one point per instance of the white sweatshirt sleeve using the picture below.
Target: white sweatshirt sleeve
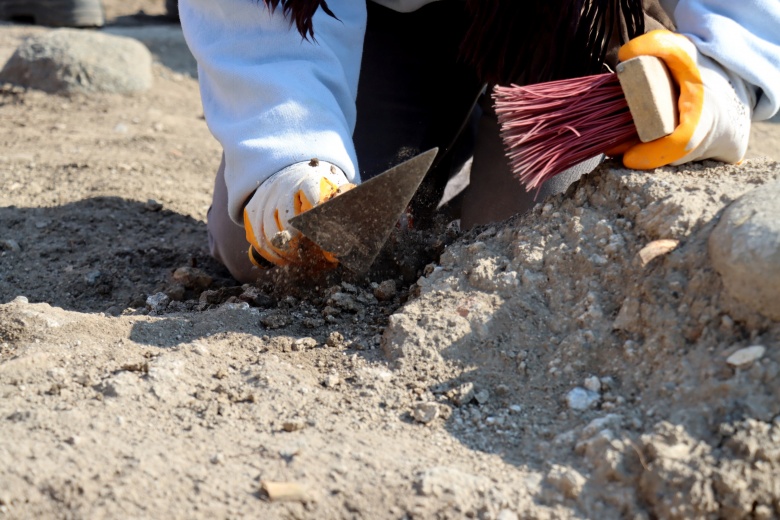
(744, 37)
(271, 98)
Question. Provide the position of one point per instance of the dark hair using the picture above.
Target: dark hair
(301, 13)
(517, 41)
(545, 40)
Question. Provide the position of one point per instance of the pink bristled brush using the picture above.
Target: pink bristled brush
(549, 127)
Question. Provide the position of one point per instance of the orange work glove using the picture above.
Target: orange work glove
(715, 106)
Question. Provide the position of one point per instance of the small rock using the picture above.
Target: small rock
(153, 205)
(313, 323)
(385, 291)
(506, 514)
(302, 344)
(425, 412)
(344, 301)
(293, 425)
(331, 381)
(281, 239)
(745, 356)
(158, 302)
(568, 481)
(581, 399)
(21, 300)
(597, 425)
(276, 320)
(209, 298)
(593, 384)
(763, 512)
(350, 288)
(10, 245)
(217, 458)
(463, 394)
(191, 278)
(92, 277)
(176, 292)
(254, 297)
(330, 312)
(335, 340)
(482, 397)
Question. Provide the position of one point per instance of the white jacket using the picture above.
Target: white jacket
(273, 99)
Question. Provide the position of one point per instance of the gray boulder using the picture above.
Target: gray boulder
(66, 61)
(745, 249)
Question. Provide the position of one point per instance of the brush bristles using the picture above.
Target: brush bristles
(549, 127)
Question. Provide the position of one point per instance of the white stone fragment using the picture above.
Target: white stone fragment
(581, 399)
(745, 356)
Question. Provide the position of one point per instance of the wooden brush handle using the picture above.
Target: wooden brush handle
(651, 94)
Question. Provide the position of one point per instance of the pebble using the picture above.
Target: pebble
(425, 412)
(463, 394)
(385, 291)
(302, 344)
(482, 397)
(21, 300)
(217, 458)
(153, 205)
(192, 278)
(331, 381)
(344, 301)
(254, 297)
(581, 399)
(158, 302)
(745, 356)
(293, 425)
(176, 292)
(92, 277)
(335, 340)
(593, 384)
(568, 481)
(10, 245)
(276, 320)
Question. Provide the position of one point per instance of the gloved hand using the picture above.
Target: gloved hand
(715, 106)
(282, 196)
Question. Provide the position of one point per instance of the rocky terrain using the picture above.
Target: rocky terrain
(615, 353)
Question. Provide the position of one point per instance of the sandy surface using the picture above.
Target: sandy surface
(537, 370)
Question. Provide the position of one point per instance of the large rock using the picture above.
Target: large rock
(68, 60)
(745, 249)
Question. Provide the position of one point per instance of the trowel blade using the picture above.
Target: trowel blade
(355, 225)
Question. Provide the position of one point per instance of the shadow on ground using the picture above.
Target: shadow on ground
(102, 254)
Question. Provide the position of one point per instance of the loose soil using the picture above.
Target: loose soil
(533, 369)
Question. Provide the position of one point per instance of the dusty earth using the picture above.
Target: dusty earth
(537, 369)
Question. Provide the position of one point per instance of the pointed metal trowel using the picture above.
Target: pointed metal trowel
(355, 225)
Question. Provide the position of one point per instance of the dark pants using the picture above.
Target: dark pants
(414, 94)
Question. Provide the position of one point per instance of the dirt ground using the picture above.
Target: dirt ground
(536, 370)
